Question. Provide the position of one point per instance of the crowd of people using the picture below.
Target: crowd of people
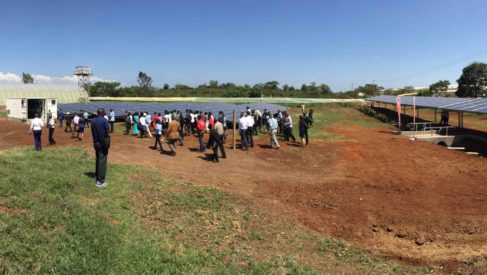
(172, 127)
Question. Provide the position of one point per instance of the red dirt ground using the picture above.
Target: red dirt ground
(390, 195)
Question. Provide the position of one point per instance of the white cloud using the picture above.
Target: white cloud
(45, 79)
(9, 78)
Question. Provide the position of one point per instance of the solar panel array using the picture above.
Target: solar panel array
(150, 107)
(476, 105)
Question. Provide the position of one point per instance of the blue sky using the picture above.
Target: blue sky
(341, 43)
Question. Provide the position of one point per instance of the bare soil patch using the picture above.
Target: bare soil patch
(404, 199)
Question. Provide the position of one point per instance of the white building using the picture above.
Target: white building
(26, 108)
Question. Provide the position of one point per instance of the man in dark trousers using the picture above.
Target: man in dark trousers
(101, 142)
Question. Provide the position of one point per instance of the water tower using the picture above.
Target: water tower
(83, 73)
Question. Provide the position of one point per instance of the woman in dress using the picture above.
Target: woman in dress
(135, 130)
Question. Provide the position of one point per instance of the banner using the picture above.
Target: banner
(398, 107)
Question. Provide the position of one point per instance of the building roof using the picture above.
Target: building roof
(63, 93)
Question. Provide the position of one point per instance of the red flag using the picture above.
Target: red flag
(398, 107)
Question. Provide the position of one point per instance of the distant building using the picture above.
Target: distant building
(62, 93)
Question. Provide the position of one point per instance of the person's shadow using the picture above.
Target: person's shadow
(90, 175)
(207, 157)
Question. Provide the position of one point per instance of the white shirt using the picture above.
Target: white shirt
(250, 121)
(143, 121)
(168, 118)
(36, 124)
(242, 123)
(51, 123)
(192, 117)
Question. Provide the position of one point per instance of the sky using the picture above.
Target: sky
(341, 43)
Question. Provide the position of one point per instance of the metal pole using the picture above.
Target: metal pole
(234, 130)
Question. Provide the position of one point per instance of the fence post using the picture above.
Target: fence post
(234, 130)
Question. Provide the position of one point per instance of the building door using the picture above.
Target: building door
(35, 106)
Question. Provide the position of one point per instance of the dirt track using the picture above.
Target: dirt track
(377, 190)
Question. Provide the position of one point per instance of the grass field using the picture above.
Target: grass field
(54, 220)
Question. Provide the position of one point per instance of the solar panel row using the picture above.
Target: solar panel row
(476, 105)
(121, 107)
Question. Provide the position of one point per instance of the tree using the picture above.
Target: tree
(304, 87)
(166, 86)
(369, 89)
(439, 88)
(273, 85)
(104, 89)
(473, 81)
(27, 78)
(324, 89)
(285, 88)
(144, 80)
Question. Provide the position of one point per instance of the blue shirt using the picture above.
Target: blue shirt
(60, 115)
(99, 129)
(273, 123)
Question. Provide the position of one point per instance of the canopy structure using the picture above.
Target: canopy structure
(63, 93)
(473, 105)
(454, 104)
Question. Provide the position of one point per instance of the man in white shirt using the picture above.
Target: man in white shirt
(51, 124)
(242, 129)
(112, 120)
(250, 129)
(143, 126)
(36, 128)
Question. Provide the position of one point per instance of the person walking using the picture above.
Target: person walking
(128, 123)
(101, 144)
(143, 126)
(172, 135)
(36, 129)
(158, 134)
(272, 125)
(288, 127)
(60, 117)
(86, 117)
(218, 134)
(81, 129)
(242, 129)
(51, 125)
(112, 120)
(135, 130)
(303, 130)
(68, 123)
(200, 130)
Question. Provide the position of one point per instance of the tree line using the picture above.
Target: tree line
(211, 89)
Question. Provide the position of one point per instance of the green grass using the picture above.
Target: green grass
(333, 115)
(54, 220)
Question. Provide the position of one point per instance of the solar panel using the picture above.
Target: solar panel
(150, 107)
(476, 105)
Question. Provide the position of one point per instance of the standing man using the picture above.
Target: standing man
(250, 129)
(172, 134)
(85, 118)
(101, 143)
(60, 116)
(288, 127)
(242, 129)
(68, 123)
(200, 129)
(273, 131)
(51, 124)
(128, 122)
(36, 128)
(218, 134)
(112, 120)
